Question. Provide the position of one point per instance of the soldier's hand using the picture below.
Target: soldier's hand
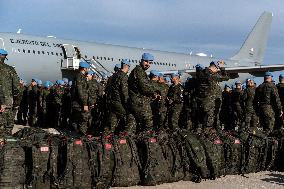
(3, 107)
(281, 114)
(86, 108)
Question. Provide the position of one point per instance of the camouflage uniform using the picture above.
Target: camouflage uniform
(226, 110)
(237, 107)
(66, 107)
(268, 105)
(250, 117)
(175, 102)
(9, 88)
(140, 93)
(279, 122)
(46, 98)
(93, 87)
(32, 101)
(209, 96)
(58, 92)
(79, 100)
(119, 99)
(161, 105)
(22, 115)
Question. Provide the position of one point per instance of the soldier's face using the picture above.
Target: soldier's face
(146, 64)
(2, 58)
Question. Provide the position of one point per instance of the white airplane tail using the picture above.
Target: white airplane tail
(253, 48)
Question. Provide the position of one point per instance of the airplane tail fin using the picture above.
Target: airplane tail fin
(253, 48)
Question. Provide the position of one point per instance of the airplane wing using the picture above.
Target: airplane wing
(257, 71)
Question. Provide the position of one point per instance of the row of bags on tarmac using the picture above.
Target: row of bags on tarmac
(35, 159)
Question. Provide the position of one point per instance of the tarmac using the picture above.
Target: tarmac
(260, 180)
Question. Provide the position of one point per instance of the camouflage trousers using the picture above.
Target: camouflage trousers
(80, 120)
(250, 118)
(173, 116)
(142, 112)
(206, 112)
(267, 117)
(7, 122)
(120, 120)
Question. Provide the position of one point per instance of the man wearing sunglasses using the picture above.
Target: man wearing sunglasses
(141, 91)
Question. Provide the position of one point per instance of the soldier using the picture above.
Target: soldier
(267, 103)
(58, 91)
(280, 87)
(175, 102)
(155, 101)
(22, 113)
(80, 106)
(9, 90)
(66, 104)
(237, 104)
(140, 93)
(162, 107)
(46, 102)
(226, 112)
(32, 101)
(119, 99)
(189, 105)
(209, 94)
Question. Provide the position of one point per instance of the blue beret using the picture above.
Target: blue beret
(214, 64)
(147, 56)
(175, 75)
(281, 76)
(168, 79)
(39, 82)
(199, 67)
(3, 52)
(47, 84)
(126, 61)
(154, 73)
(117, 66)
(84, 65)
(268, 74)
(90, 72)
(59, 82)
(65, 80)
(227, 86)
(238, 82)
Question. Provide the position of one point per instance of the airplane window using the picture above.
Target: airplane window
(29, 51)
(86, 56)
(133, 61)
(34, 51)
(101, 58)
(108, 58)
(19, 50)
(163, 63)
(111, 59)
(155, 63)
(175, 65)
(136, 61)
(119, 60)
(61, 54)
(24, 50)
(51, 53)
(47, 53)
(38, 52)
(42, 52)
(105, 58)
(98, 57)
(56, 54)
(166, 64)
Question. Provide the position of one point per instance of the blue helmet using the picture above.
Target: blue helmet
(227, 86)
(168, 79)
(84, 65)
(147, 57)
(3, 52)
(125, 61)
(268, 74)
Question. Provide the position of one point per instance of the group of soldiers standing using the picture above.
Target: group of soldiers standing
(139, 102)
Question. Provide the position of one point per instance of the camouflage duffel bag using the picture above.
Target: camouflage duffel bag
(12, 159)
(127, 163)
(196, 155)
(233, 153)
(155, 168)
(75, 171)
(255, 148)
(214, 151)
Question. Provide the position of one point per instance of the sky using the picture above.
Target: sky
(213, 27)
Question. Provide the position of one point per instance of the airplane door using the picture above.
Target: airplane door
(72, 56)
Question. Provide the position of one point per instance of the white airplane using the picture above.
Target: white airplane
(49, 58)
